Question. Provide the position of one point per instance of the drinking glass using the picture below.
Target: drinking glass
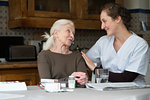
(101, 75)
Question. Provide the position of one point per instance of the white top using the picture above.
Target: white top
(133, 56)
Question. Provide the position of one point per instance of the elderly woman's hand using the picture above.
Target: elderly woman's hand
(80, 77)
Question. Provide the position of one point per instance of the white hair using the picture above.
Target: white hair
(56, 26)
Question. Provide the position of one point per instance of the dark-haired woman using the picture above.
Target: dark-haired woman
(121, 51)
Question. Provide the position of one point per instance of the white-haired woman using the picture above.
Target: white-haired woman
(56, 61)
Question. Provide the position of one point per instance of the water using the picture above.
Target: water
(102, 79)
(98, 80)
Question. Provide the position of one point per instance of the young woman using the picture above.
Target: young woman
(121, 51)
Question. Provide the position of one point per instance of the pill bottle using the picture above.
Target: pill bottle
(71, 82)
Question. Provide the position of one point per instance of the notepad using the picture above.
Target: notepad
(12, 86)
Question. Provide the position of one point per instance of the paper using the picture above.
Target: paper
(45, 81)
(9, 96)
(49, 80)
(52, 87)
(111, 86)
(12, 86)
(56, 87)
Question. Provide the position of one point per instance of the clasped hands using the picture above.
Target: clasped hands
(80, 77)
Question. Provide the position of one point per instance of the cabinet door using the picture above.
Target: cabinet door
(93, 8)
(52, 8)
(29, 76)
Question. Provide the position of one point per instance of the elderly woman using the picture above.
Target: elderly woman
(56, 61)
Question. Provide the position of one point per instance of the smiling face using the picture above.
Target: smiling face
(108, 24)
(65, 35)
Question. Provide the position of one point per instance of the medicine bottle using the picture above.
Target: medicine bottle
(71, 82)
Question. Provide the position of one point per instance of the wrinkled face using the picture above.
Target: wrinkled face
(66, 34)
(108, 24)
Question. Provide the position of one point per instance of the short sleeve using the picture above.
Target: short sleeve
(94, 53)
(139, 59)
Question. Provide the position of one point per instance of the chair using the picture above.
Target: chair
(147, 78)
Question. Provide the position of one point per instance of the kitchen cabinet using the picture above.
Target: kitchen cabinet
(93, 7)
(22, 71)
(52, 8)
(43, 13)
(19, 71)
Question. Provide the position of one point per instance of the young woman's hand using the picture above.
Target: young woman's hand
(88, 61)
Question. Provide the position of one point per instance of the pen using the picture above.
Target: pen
(40, 87)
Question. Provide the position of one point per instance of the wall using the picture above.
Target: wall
(140, 11)
(83, 38)
(136, 4)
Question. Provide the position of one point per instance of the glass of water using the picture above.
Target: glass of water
(101, 75)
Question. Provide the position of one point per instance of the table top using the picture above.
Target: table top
(25, 64)
(35, 93)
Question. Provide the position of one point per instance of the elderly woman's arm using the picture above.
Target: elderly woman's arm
(43, 67)
(81, 76)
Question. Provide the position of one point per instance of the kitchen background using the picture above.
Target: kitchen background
(83, 38)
